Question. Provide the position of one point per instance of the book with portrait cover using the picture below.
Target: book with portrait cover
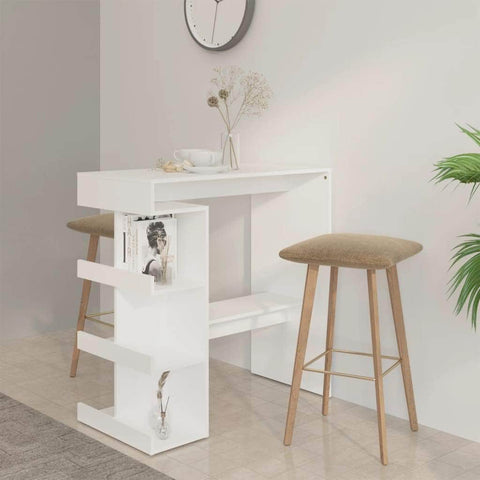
(151, 246)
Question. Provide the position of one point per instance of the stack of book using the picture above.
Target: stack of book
(150, 246)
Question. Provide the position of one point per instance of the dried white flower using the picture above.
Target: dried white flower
(257, 94)
(227, 78)
(240, 92)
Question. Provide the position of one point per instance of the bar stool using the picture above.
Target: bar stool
(369, 252)
(96, 226)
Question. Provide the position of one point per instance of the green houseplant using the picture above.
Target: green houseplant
(465, 282)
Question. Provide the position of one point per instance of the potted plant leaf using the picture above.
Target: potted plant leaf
(465, 282)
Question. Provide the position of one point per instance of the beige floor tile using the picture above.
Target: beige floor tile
(293, 457)
(241, 473)
(413, 455)
(374, 470)
(63, 390)
(189, 454)
(247, 424)
(176, 469)
(298, 474)
(330, 445)
(469, 476)
(217, 465)
(319, 427)
(420, 450)
(270, 467)
(449, 440)
(472, 447)
(216, 445)
(436, 470)
(462, 459)
(335, 405)
(323, 469)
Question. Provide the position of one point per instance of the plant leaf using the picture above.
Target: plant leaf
(466, 280)
(464, 167)
(473, 133)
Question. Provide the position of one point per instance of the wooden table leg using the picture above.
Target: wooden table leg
(332, 300)
(87, 284)
(307, 307)
(396, 301)
(377, 363)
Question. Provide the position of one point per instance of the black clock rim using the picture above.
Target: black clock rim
(242, 30)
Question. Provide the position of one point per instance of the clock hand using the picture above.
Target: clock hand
(215, 19)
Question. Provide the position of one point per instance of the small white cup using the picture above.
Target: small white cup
(199, 157)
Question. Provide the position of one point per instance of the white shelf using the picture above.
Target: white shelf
(130, 281)
(242, 314)
(142, 439)
(149, 363)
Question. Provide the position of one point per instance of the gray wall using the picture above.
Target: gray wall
(49, 102)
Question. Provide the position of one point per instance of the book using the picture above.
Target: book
(150, 246)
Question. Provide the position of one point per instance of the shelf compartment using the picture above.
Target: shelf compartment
(242, 314)
(142, 439)
(143, 362)
(130, 281)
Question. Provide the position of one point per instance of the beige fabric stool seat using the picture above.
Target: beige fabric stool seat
(352, 250)
(101, 225)
(96, 226)
(369, 252)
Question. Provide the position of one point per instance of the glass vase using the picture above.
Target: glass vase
(158, 422)
(230, 145)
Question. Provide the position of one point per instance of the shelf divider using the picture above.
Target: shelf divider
(147, 363)
(131, 281)
(250, 312)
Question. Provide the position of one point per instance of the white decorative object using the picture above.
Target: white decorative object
(167, 327)
(208, 170)
(230, 145)
(159, 413)
(237, 94)
(198, 157)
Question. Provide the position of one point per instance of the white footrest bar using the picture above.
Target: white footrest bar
(115, 277)
(242, 314)
(143, 362)
(140, 438)
(104, 421)
(130, 281)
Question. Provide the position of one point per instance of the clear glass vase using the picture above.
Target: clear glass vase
(158, 422)
(230, 145)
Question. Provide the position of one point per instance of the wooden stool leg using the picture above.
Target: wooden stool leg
(307, 307)
(332, 299)
(396, 301)
(87, 284)
(377, 363)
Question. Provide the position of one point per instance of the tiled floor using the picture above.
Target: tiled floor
(247, 421)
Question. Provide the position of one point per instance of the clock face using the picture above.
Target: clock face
(218, 24)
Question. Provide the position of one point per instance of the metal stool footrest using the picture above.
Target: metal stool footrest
(398, 360)
(92, 317)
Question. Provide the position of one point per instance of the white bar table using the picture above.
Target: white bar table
(159, 328)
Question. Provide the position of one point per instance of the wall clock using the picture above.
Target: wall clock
(218, 24)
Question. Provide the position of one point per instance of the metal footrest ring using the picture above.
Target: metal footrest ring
(306, 368)
(92, 317)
